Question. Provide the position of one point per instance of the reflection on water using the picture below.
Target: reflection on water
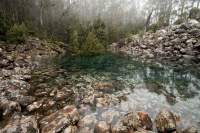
(153, 86)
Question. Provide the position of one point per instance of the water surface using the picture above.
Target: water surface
(148, 86)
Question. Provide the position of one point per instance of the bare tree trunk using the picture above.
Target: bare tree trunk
(198, 3)
(41, 13)
(169, 11)
(182, 8)
(192, 5)
(148, 20)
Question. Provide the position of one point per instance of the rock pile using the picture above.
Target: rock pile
(175, 43)
(16, 64)
(132, 122)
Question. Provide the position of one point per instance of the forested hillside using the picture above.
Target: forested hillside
(99, 66)
(72, 21)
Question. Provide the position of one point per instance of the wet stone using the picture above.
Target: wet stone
(103, 86)
(165, 121)
(34, 106)
(71, 129)
(87, 121)
(9, 107)
(104, 100)
(26, 100)
(143, 131)
(62, 94)
(119, 128)
(60, 120)
(191, 130)
(102, 127)
(110, 116)
(145, 121)
(134, 121)
(40, 93)
(21, 124)
(86, 130)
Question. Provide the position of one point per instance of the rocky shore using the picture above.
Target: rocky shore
(179, 43)
(33, 101)
(16, 64)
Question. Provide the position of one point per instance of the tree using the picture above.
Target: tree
(148, 20)
(99, 29)
(92, 46)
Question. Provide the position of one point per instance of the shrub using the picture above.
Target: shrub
(74, 44)
(195, 14)
(92, 46)
(153, 27)
(17, 34)
(178, 21)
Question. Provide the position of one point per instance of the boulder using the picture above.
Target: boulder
(135, 121)
(71, 129)
(165, 121)
(193, 22)
(9, 107)
(145, 121)
(56, 122)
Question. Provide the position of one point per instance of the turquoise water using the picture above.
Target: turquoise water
(147, 86)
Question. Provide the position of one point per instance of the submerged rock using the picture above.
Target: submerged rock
(110, 116)
(21, 124)
(87, 121)
(60, 120)
(143, 131)
(71, 129)
(165, 121)
(103, 86)
(102, 127)
(190, 130)
(119, 128)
